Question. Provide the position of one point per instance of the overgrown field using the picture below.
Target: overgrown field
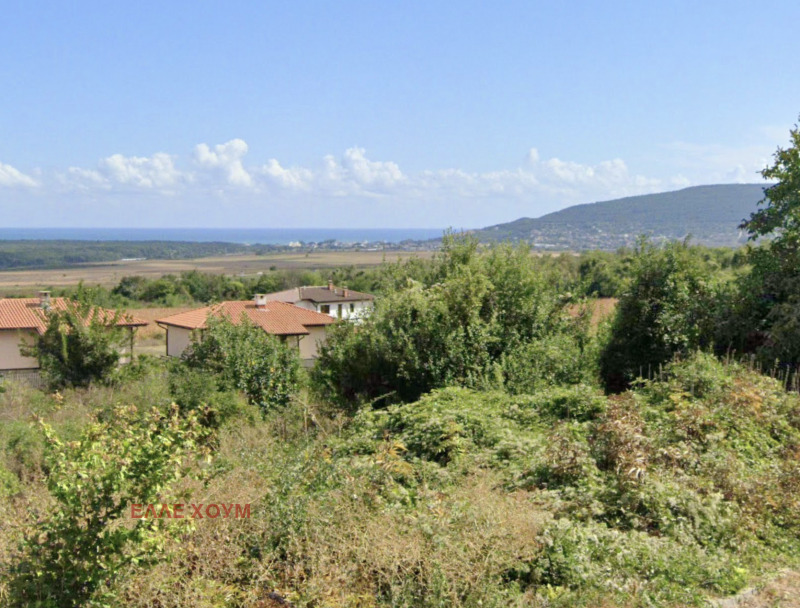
(685, 488)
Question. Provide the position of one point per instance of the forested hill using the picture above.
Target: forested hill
(711, 214)
(59, 254)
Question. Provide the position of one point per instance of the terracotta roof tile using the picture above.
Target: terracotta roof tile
(279, 318)
(27, 313)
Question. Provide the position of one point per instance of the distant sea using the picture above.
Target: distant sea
(265, 236)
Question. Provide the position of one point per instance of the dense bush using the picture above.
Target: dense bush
(473, 314)
(79, 346)
(241, 356)
(684, 488)
(680, 485)
(87, 538)
(667, 308)
(761, 311)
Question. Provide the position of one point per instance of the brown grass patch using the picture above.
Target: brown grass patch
(782, 592)
(600, 308)
(150, 315)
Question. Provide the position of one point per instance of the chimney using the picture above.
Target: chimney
(344, 291)
(44, 299)
(260, 300)
(330, 285)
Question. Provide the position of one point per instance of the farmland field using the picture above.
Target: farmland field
(107, 274)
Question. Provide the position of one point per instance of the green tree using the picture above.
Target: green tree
(779, 215)
(763, 314)
(79, 346)
(456, 325)
(244, 357)
(666, 308)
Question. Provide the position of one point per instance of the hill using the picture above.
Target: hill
(711, 214)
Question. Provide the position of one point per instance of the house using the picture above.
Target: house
(302, 328)
(25, 319)
(338, 302)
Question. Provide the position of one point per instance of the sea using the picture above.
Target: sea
(250, 236)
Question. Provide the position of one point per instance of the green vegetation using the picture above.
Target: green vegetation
(242, 357)
(79, 345)
(474, 442)
(463, 324)
(75, 553)
(58, 254)
(667, 308)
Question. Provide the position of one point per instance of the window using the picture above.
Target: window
(325, 309)
(352, 307)
(339, 313)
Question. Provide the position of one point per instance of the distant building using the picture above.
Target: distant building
(299, 327)
(338, 302)
(24, 319)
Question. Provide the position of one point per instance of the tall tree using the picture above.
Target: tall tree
(780, 212)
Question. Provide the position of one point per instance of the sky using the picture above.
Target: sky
(380, 114)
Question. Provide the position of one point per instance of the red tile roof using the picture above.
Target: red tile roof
(279, 318)
(27, 313)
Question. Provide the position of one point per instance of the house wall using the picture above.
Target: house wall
(309, 345)
(178, 339)
(306, 304)
(359, 307)
(10, 357)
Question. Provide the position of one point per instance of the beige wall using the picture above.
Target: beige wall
(10, 357)
(309, 344)
(178, 339)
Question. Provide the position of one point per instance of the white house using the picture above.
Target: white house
(302, 328)
(338, 302)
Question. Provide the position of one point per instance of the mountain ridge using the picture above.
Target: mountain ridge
(711, 214)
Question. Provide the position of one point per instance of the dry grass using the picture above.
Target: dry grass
(109, 273)
(150, 315)
(601, 309)
(782, 592)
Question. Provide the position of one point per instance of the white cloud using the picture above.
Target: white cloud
(354, 188)
(84, 180)
(12, 178)
(155, 172)
(715, 163)
(227, 158)
(291, 179)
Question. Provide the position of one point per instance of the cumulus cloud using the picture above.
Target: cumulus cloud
(157, 171)
(538, 185)
(226, 158)
(297, 178)
(715, 163)
(14, 178)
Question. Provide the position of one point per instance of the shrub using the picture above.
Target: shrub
(244, 357)
(79, 345)
(666, 309)
(470, 313)
(197, 391)
(9, 484)
(88, 537)
(550, 361)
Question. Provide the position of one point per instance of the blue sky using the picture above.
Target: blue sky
(375, 114)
